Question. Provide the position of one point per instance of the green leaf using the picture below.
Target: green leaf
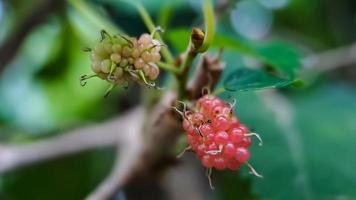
(281, 56)
(178, 38)
(244, 79)
(308, 144)
(234, 43)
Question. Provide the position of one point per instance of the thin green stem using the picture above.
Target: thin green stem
(188, 61)
(168, 67)
(196, 39)
(183, 72)
(199, 43)
(209, 20)
(145, 17)
(218, 91)
(151, 27)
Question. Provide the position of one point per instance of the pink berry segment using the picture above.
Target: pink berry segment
(216, 135)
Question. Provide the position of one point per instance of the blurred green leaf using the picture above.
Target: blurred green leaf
(33, 115)
(48, 76)
(231, 186)
(280, 56)
(244, 79)
(70, 178)
(178, 38)
(308, 148)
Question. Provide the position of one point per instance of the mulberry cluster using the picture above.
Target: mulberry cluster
(118, 59)
(216, 135)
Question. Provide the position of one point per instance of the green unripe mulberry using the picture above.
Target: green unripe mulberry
(118, 59)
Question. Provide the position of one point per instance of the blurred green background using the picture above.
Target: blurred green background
(309, 133)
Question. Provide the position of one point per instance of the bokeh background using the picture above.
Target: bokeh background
(309, 132)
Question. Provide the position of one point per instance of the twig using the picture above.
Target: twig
(94, 136)
(127, 163)
(209, 21)
(207, 75)
(135, 156)
(162, 128)
(331, 59)
(151, 27)
(199, 43)
(195, 42)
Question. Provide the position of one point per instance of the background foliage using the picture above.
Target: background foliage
(308, 133)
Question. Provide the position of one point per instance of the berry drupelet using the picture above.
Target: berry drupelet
(216, 135)
(118, 59)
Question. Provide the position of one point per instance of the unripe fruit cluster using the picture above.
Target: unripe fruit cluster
(117, 59)
(216, 135)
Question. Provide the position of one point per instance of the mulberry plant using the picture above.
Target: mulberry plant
(209, 125)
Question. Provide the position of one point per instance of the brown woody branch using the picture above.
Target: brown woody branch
(195, 42)
(152, 145)
(138, 150)
(330, 59)
(129, 150)
(78, 140)
(207, 75)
